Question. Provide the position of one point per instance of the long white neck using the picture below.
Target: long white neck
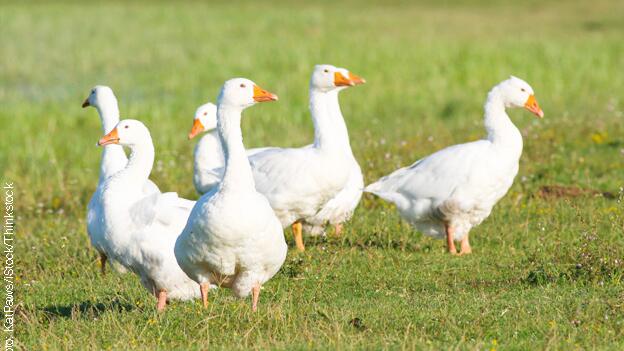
(237, 169)
(208, 153)
(113, 157)
(123, 189)
(330, 131)
(501, 130)
(139, 166)
(339, 122)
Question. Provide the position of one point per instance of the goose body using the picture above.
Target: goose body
(141, 230)
(113, 160)
(447, 193)
(208, 171)
(339, 209)
(232, 237)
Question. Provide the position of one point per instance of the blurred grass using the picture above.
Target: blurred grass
(429, 66)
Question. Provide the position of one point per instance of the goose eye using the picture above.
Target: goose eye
(126, 127)
(522, 89)
(326, 70)
(242, 85)
(205, 113)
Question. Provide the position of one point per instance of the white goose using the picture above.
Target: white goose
(300, 182)
(339, 209)
(232, 237)
(207, 156)
(447, 193)
(141, 230)
(113, 160)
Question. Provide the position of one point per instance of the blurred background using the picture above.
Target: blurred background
(429, 66)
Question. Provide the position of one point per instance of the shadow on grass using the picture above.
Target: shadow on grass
(86, 309)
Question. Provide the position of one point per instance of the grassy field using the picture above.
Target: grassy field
(546, 272)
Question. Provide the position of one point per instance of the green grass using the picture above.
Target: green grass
(546, 273)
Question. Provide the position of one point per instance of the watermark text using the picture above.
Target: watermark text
(8, 264)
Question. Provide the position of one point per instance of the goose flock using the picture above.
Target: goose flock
(233, 235)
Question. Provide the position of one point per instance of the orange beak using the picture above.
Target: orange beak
(532, 105)
(86, 103)
(197, 128)
(110, 138)
(342, 81)
(261, 95)
(357, 80)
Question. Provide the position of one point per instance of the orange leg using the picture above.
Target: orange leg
(338, 229)
(450, 242)
(255, 295)
(203, 287)
(297, 229)
(103, 263)
(465, 246)
(162, 300)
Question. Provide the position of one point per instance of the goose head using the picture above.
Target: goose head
(242, 93)
(128, 132)
(100, 95)
(327, 78)
(205, 119)
(515, 92)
